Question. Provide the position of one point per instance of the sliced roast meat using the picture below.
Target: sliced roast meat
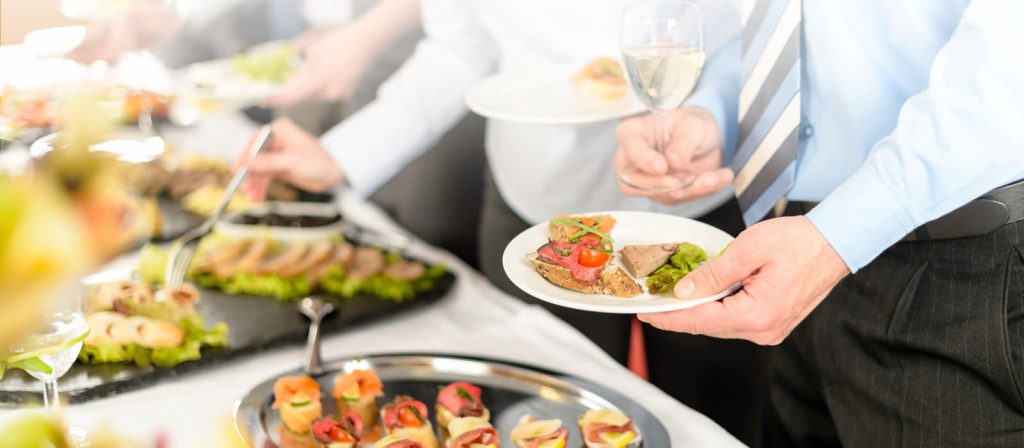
(222, 254)
(567, 255)
(641, 260)
(405, 270)
(461, 399)
(246, 263)
(366, 262)
(341, 256)
(317, 253)
(286, 257)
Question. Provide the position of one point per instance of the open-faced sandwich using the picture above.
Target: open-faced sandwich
(409, 417)
(397, 441)
(458, 399)
(663, 264)
(357, 392)
(531, 433)
(606, 428)
(601, 82)
(297, 399)
(472, 432)
(345, 431)
(578, 256)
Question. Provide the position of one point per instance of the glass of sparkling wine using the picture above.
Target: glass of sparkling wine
(49, 350)
(662, 46)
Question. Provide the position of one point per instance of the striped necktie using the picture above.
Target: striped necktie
(769, 106)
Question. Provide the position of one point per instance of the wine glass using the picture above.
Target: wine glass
(51, 347)
(662, 46)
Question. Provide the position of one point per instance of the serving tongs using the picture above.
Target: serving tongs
(184, 249)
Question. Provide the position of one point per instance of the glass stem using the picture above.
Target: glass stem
(660, 137)
(51, 399)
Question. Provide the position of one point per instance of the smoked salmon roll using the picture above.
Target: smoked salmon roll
(297, 398)
(357, 392)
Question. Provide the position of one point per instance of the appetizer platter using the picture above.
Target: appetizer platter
(142, 334)
(565, 95)
(430, 401)
(613, 262)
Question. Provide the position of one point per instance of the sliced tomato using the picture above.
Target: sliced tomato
(408, 417)
(339, 435)
(592, 258)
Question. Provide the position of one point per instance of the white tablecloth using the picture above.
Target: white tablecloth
(475, 319)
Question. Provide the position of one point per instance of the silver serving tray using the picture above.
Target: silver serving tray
(509, 391)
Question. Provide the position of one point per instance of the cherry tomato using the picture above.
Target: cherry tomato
(338, 435)
(407, 417)
(593, 258)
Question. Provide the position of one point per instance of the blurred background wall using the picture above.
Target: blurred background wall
(18, 17)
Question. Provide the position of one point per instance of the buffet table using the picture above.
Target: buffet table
(477, 319)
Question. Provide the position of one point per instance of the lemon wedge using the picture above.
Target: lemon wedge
(618, 439)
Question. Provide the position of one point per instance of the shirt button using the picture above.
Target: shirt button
(808, 131)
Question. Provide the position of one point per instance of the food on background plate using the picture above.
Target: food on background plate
(458, 399)
(297, 399)
(686, 258)
(578, 256)
(601, 82)
(344, 431)
(472, 432)
(532, 433)
(397, 441)
(291, 271)
(270, 64)
(409, 417)
(130, 322)
(357, 392)
(606, 428)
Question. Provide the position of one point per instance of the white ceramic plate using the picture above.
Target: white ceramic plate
(219, 81)
(544, 97)
(632, 228)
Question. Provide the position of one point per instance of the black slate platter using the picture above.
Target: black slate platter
(255, 324)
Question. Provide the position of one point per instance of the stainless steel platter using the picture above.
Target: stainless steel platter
(509, 391)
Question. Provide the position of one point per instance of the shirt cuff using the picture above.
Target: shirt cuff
(861, 218)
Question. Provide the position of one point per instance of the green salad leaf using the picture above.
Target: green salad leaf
(197, 337)
(683, 261)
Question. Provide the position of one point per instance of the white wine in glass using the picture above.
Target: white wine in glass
(663, 49)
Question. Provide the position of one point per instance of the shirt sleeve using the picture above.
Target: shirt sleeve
(719, 87)
(953, 142)
(419, 103)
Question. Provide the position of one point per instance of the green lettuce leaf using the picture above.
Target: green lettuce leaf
(688, 257)
(664, 279)
(197, 337)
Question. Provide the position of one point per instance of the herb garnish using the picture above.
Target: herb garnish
(416, 413)
(463, 394)
(605, 239)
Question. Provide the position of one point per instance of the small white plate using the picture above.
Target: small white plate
(632, 228)
(544, 97)
(218, 80)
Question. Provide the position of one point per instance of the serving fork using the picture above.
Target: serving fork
(184, 249)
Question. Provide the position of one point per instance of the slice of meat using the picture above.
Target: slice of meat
(641, 260)
(317, 253)
(613, 281)
(594, 431)
(405, 270)
(461, 399)
(289, 255)
(567, 255)
(479, 436)
(222, 254)
(562, 433)
(366, 262)
(246, 263)
(341, 257)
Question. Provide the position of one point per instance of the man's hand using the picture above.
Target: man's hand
(691, 131)
(335, 61)
(786, 267)
(294, 156)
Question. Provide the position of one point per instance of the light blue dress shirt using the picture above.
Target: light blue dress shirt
(911, 108)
